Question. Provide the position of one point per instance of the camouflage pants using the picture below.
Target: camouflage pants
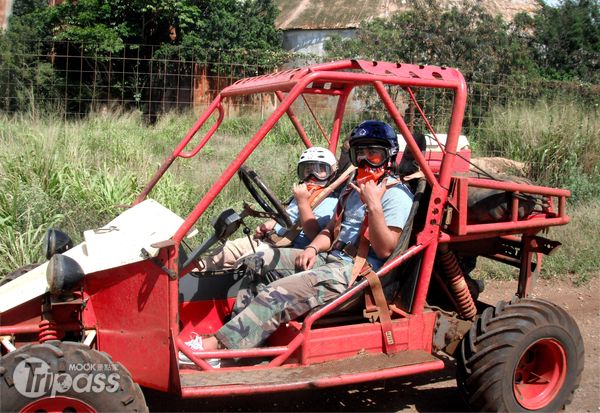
(284, 299)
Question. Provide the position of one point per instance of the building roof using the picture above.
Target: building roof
(347, 14)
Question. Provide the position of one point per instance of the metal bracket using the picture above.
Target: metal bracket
(172, 275)
(449, 331)
(371, 315)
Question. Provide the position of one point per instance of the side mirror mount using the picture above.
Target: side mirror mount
(226, 224)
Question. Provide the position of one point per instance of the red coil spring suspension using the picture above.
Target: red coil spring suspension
(47, 331)
(47, 326)
(456, 283)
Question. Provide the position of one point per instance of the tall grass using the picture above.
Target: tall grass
(557, 140)
(577, 258)
(77, 175)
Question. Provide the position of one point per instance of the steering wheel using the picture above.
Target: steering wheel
(264, 196)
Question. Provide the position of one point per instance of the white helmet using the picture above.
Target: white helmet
(317, 162)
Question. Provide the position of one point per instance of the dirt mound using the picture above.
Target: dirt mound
(497, 165)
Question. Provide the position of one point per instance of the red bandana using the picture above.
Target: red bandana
(368, 173)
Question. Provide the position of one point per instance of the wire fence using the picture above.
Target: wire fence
(74, 80)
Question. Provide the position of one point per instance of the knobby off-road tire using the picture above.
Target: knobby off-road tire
(59, 356)
(17, 273)
(525, 355)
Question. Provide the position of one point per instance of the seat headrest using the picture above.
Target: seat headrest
(408, 165)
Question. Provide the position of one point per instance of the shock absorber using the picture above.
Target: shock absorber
(456, 282)
(47, 325)
(47, 331)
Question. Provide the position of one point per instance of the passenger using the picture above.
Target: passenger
(316, 168)
(323, 269)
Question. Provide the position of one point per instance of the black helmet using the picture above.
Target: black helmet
(373, 134)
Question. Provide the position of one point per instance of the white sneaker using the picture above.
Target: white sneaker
(195, 344)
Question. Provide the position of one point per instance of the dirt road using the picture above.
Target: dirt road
(435, 392)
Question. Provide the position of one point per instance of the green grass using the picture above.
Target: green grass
(557, 140)
(577, 258)
(78, 174)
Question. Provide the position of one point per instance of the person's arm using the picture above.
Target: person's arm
(321, 243)
(308, 220)
(383, 238)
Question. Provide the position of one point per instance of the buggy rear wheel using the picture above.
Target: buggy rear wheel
(525, 355)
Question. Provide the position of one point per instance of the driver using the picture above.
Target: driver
(323, 269)
(316, 169)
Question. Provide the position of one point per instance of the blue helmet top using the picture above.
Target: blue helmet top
(375, 132)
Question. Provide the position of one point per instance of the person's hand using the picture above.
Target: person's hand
(370, 193)
(263, 229)
(307, 259)
(301, 193)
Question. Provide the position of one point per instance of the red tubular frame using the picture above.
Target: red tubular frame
(216, 104)
(295, 82)
(295, 121)
(345, 75)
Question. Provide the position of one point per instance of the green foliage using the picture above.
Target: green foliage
(468, 38)
(146, 42)
(23, 7)
(558, 141)
(107, 26)
(565, 40)
(557, 42)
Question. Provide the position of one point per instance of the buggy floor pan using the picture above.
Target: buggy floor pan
(357, 369)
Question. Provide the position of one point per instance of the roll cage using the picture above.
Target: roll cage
(446, 212)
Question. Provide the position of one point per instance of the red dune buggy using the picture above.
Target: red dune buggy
(85, 330)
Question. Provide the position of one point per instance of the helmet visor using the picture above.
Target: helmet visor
(374, 156)
(318, 170)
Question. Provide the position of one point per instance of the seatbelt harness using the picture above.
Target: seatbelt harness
(376, 306)
(382, 312)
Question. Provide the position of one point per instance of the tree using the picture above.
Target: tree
(93, 35)
(469, 38)
(566, 40)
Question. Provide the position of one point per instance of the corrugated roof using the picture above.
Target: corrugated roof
(345, 14)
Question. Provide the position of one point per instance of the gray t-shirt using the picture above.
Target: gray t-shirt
(323, 213)
(396, 202)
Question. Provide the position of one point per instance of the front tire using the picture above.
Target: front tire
(525, 355)
(66, 376)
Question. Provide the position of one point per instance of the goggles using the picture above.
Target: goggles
(318, 170)
(374, 156)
